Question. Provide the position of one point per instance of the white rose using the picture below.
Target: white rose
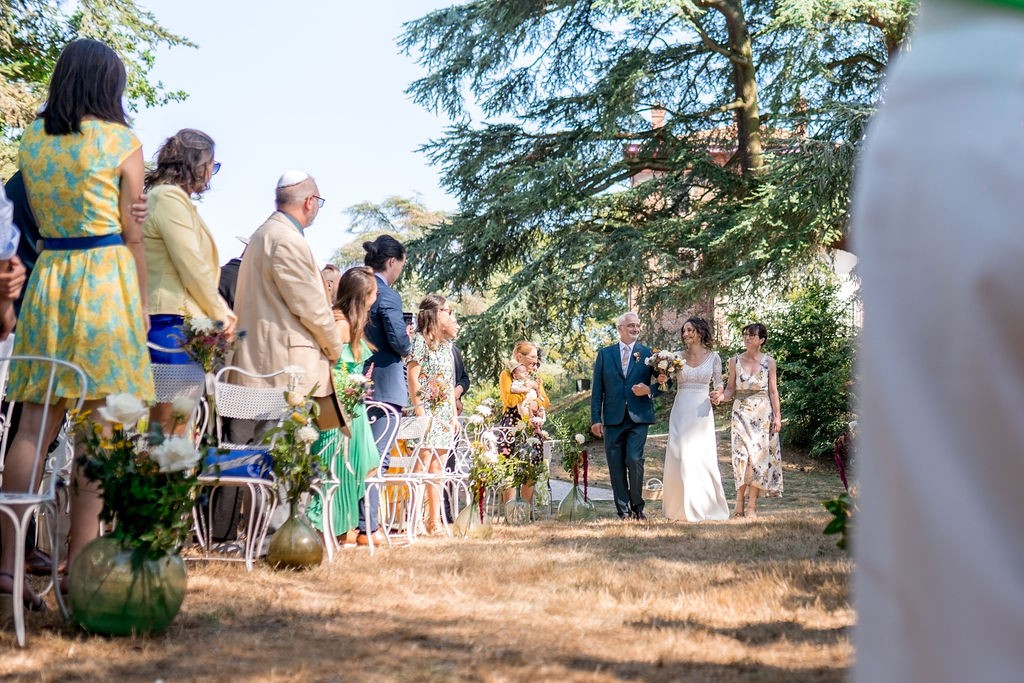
(183, 406)
(663, 365)
(484, 409)
(580, 439)
(491, 457)
(175, 454)
(294, 398)
(123, 408)
(203, 326)
(307, 434)
(476, 419)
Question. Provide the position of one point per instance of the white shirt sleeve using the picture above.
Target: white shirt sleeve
(9, 233)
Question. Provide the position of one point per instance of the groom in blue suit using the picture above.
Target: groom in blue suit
(621, 410)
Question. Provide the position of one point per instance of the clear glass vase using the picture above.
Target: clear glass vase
(517, 510)
(469, 525)
(110, 594)
(575, 507)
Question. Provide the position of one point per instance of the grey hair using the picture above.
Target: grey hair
(621, 320)
(291, 195)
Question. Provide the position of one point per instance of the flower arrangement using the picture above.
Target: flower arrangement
(435, 392)
(575, 457)
(665, 362)
(148, 479)
(353, 390)
(294, 464)
(207, 341)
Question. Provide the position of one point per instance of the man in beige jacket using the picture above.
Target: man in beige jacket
(280, 299)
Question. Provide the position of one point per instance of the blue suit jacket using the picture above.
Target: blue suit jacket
(612, 397)
(385, 330)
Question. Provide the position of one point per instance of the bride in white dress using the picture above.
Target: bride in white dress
(693, 483)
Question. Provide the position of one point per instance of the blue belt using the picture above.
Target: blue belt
(89, 242)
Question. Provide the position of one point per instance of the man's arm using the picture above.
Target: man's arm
(389, 306)
(597, 396)
(299, 282)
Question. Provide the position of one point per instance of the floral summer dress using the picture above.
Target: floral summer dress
(362, 454)
(82, 305)
(756, 454)
(437, 384)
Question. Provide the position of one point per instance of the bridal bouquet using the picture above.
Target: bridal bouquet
(665, 362)
(207, 342)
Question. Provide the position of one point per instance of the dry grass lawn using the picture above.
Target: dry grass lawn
(743, 600)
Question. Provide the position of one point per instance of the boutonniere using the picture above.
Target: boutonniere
(636, 356)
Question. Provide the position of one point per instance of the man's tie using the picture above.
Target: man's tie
(625, 359)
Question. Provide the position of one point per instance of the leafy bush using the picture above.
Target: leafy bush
(811, 336)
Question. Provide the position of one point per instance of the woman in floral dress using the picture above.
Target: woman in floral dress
(431, 376)
(356, 292)
(756, 420)
(85, 302)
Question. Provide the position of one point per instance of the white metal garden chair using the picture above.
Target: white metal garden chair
(400, 491)
(246, 403)
(20, 506)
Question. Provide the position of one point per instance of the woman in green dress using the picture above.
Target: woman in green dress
(357, 290)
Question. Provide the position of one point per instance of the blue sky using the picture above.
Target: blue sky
(303, 84)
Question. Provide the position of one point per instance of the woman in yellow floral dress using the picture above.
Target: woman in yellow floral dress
(85, 301)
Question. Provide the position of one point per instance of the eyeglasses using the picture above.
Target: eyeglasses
(216, 167)
(319, 201)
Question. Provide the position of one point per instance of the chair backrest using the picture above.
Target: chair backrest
(172, 381)
(246, 403)
(184, 380)
(384, 420)
(60, 378)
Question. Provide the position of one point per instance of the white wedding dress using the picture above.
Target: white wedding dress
(693, 483)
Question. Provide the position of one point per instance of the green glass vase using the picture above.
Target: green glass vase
(111, 595)
(296, 544)
(575, 507)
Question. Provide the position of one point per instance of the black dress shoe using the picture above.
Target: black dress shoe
(640, 516)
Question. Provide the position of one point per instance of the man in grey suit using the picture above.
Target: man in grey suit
(388, 333)
(621, 411)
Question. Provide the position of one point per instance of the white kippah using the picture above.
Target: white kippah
(292, 177)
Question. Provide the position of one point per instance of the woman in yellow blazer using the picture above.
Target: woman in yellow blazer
(181, 257)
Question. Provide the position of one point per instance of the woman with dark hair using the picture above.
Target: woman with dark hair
(181, 256)
(692, 481)
(85, 302)
(431, 373)
(756, 421)
(388, 334)
(357, 290)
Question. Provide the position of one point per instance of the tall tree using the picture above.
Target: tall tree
(746, 176)
(32, 34)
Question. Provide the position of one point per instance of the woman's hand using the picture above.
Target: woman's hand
(776, 425)
(662, 378)
(716, 396)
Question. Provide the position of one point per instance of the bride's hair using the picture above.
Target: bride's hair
(703, 329)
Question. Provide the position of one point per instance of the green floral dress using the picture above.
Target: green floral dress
(362, 454)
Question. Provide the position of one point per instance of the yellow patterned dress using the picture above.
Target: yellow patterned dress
(81, 305)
